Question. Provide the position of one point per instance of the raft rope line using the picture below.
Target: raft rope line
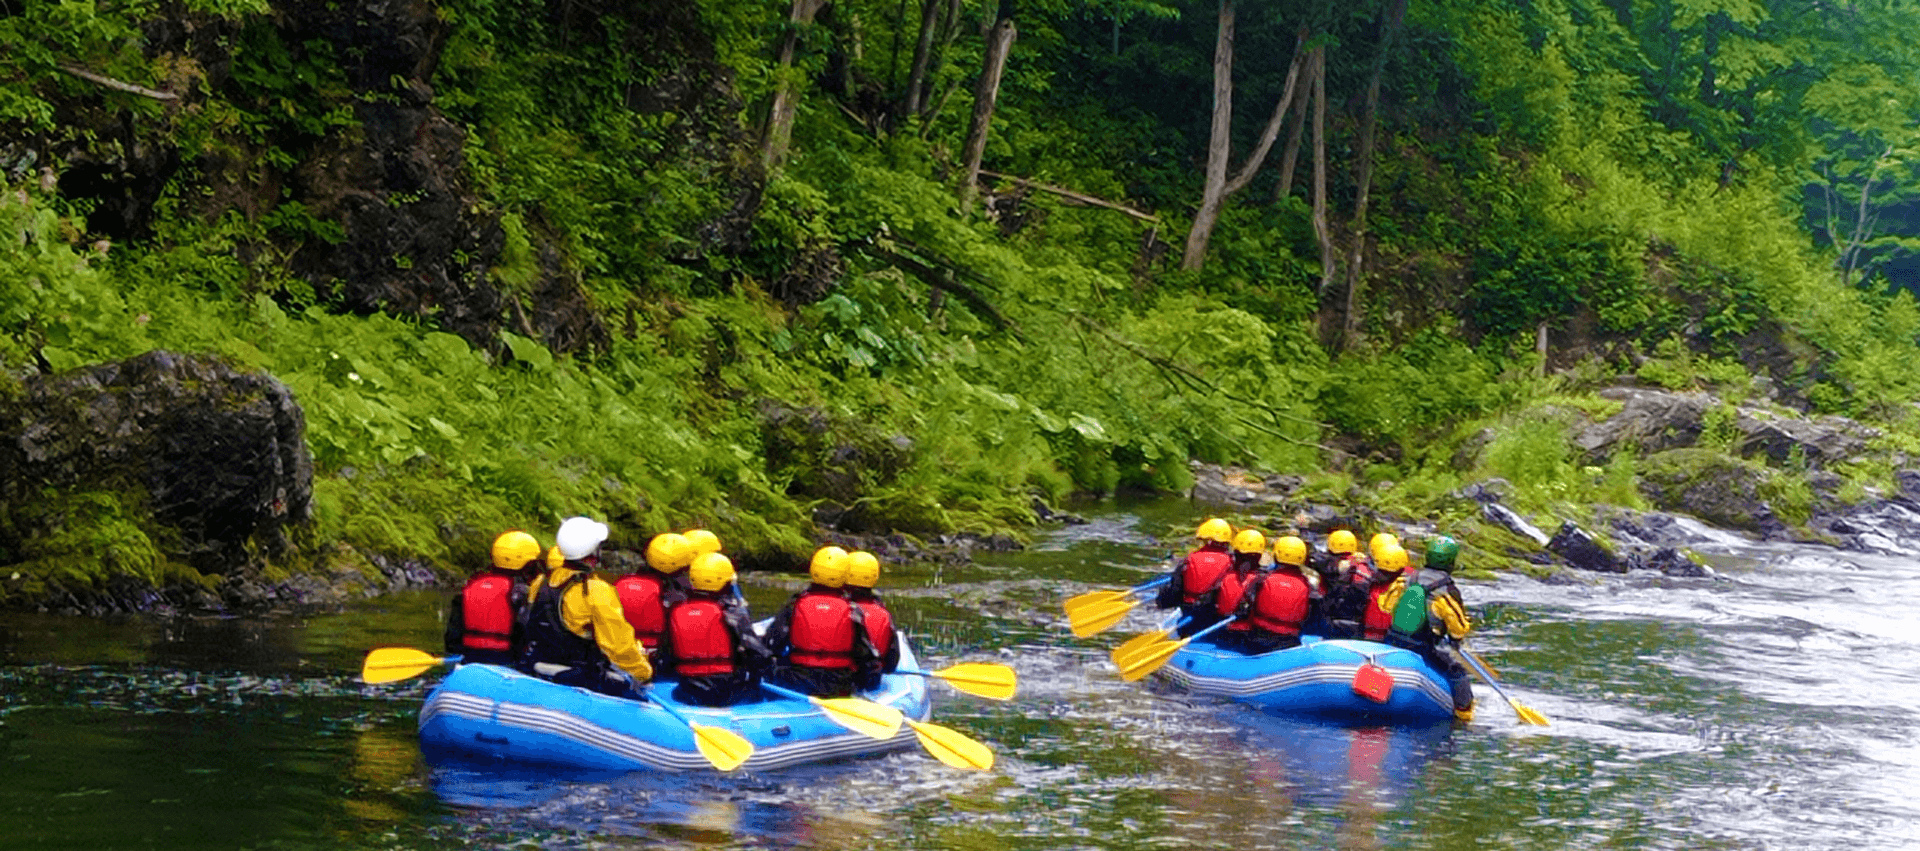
(570, 727)
(574, 728)
(1319, 672)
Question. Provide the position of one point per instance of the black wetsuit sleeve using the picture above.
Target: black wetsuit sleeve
(1247, 597)
(866, 659)
(1169, 595)
(748, 651)
(456, 624)
(780, 630)
(892, 662)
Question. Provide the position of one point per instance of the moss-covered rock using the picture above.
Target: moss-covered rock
(1717, 488)
(159, 467)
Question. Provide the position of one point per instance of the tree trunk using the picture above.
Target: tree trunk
(1290, 158)
(986, 93)
(779, 133)
(1219, 141)
(1363, 171)
(1214, 196)
(1320, 231)
(922, 56)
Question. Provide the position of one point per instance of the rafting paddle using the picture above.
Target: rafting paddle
(393, 664)
(1100, 617)
(865, 717)
(978, 678)
(1528, 715)
(1092, 598)
(1139, 644)
(952, 746)
(1157, 655)
(724, 748)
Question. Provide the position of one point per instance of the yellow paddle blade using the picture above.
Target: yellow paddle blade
(952, 746)
(865, 717)
(1137, 645)
(1150, 660)
(1527, 714)
(1100, 618)
(1091, 598)
(724, 748)
(985, 679)
(392, 664)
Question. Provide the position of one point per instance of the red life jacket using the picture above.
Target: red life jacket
(702, 645)
(1280, 606)
(640, 600)
(1233, 586)
(486, 612)
(1375, 623)
(1204, 568)
(822, 632)
(879, 625)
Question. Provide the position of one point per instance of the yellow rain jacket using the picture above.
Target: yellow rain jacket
(594, 602)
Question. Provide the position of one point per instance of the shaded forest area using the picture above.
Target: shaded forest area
(928, 266)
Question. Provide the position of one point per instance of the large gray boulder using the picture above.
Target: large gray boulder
(216, 456)
(1655, 421)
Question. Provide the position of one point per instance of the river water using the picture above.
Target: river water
(1772, 707)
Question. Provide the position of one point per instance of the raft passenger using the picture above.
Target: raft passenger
(576, 632)
(1279, 602)
(819, 640)
(1347, 588)
(483, 624)
(1428, 610)
(1248, 548)
(863, 572)
(646, 595)
(1196, 575)
(710, 645)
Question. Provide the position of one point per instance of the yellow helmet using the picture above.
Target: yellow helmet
(703, 541)
(1215, 529)
(863, 569)
(1391, 558)
(512, 550)
(1342, 541)
(1290, 549)
(829, 567)
(670, 552)
(1379, 544)
(554, 558)
(710, 572)
(1249, 541)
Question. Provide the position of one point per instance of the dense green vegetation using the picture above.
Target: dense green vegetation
(1667, 188)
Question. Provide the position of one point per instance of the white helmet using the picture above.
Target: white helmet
(579, 537)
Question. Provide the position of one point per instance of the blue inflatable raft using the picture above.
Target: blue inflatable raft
(1316, 680)
(494, 712)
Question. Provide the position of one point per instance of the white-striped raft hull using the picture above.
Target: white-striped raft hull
(1315, 680)
(500, 713)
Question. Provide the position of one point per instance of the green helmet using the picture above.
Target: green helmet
(1441, 552)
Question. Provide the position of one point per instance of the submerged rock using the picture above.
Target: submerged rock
(216, 456)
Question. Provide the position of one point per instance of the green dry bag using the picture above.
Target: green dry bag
(1410, 614)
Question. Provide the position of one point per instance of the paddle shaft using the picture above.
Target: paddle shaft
(1487, 676)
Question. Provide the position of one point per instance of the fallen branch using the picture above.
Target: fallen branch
(943, 279)
(1076, 197)
(118, 85)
